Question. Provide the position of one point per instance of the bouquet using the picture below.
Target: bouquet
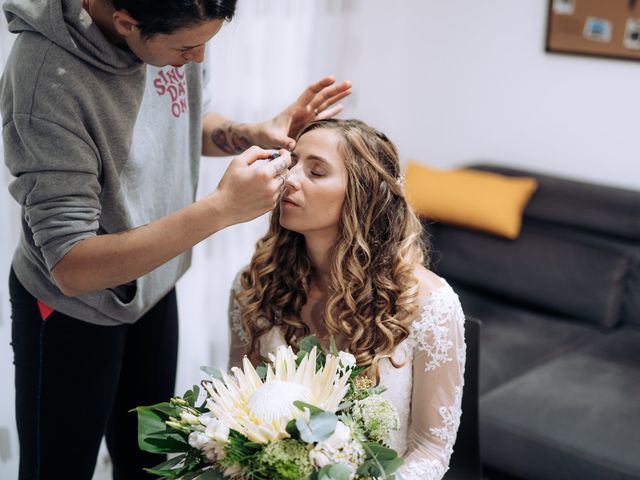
(310, 415)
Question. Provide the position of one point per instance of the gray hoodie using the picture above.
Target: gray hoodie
(99, 143)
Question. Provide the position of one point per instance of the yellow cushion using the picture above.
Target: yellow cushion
(470, 198)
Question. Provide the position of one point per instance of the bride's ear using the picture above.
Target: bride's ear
(124, 23)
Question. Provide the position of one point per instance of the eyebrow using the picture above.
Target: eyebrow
(312, 157)
(189, 47)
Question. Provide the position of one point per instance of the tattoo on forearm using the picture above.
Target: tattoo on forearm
(228, 140)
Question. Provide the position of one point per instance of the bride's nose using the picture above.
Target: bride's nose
(293, 178)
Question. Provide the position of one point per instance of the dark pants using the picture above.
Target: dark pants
(76, 382)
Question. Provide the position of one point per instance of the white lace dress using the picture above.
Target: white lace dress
(427, 390)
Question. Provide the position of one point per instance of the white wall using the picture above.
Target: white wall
(456, 81)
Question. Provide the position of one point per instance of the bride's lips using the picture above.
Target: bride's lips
(288, 202)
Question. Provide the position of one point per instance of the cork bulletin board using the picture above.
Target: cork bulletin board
(607, 28)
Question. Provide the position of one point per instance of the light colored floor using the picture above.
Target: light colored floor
(103, 465)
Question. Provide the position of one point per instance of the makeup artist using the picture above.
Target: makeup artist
(104, 126)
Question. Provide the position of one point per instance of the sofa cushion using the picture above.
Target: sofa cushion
(515, 340)
(574, 417)
(485, 201)
(631, 299)
(597, 208)
(565, 273)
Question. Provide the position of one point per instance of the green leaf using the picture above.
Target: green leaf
(149, 422)
(261, 370)
(319, 427)
(210, 475)
(338, 471)
(165, 408)
(165, 469)
(380, 461)
(312, 408)
(215, 372)
(380, 452)
(307, 344)
(292, 430)
(191, 396)
(333, 348)
(376, 390)
(169, 444)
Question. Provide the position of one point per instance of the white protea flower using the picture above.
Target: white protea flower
(261, 410)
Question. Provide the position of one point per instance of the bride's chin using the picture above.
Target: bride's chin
(289, 226)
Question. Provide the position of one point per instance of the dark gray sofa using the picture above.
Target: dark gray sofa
(560, 338)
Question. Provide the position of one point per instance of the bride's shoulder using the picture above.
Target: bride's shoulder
(428, 281)
(435, 296)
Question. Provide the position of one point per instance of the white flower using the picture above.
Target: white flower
(189, 418)
(340, 447)
(217, 431)
(378, 416)
(346, 359)
(261, 410)
(340, 437)
(198, 440)
(207, 418)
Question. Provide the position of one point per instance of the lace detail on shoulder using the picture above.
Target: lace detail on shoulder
(423, 469)
(235, 322)
(451, 420)
(430, 332)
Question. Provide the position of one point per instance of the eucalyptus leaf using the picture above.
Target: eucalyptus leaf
(214, 372)
(376, 390)
(191, 396)
(380, 452)
(304, 405)
(319, 427)
(338, 471)
(307, 344)
(261, 370)
(380, 461)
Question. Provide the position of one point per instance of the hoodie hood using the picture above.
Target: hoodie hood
(68, 25)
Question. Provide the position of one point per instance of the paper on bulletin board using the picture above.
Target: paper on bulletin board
(609, 28)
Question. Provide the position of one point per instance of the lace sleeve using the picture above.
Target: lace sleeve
(439, 351)
(238, 339)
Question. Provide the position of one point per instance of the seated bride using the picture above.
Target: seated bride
(344, 257)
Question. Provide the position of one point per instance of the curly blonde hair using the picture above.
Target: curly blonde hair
(372, 287)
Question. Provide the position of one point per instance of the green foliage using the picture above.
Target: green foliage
(306, 345)
(338, 471)
(165, 428)
(380, 462)
(261, 370)
(319, 427)
(286, 460)
(213, 372)
(153, 434)
(240, 450)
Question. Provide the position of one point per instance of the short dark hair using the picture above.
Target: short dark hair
(166, 16)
